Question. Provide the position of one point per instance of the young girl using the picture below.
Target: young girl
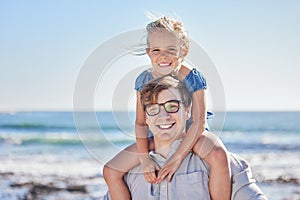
(167, 45)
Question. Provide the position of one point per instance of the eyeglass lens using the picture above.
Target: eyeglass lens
(169, 106)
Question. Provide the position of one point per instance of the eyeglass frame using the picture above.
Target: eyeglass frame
(163, 104)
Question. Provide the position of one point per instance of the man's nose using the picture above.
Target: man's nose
(163, 112)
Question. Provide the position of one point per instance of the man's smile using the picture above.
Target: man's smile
(165, 126)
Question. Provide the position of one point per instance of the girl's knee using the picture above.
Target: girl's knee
(205, 145)
(218, 157)
(106, 172)
(110, 174)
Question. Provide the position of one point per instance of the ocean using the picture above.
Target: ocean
(60, 155)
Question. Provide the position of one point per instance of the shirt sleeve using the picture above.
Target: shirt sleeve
(195, 81)
(106, 196)
(243, 184)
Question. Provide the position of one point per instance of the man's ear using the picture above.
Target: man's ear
(188, 112)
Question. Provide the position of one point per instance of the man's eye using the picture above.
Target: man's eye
(171, 106)
(152, 108)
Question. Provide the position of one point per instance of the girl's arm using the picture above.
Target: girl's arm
(141, 131)
(193, 134)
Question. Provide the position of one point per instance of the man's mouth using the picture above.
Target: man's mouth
(165, 126)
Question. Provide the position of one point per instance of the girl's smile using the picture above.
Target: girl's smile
(163, 52)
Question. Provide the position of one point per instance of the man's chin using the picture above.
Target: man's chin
(165, 137)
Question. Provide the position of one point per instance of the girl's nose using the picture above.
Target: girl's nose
(164, 53)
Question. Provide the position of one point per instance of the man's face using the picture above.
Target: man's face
(164, 52)
(168, 126)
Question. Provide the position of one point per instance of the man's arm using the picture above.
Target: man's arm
(243, 184)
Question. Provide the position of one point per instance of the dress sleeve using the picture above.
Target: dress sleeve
(142, 79)
(195, 81)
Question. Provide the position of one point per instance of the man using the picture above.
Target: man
(167, 105)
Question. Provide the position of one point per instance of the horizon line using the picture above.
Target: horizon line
(132, 111)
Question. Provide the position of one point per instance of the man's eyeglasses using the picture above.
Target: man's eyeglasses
(171, 106)
(158, 51)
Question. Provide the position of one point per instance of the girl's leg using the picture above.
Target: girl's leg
(212, 150)
(116, 168)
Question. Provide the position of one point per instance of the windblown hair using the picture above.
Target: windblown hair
(154, 87)
(163, 24)
(171, 25)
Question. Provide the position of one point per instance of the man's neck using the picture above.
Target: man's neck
(164, 147)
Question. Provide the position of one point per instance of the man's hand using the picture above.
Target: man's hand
(168, 169)
(148, 168)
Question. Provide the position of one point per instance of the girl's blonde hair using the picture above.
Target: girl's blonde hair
(171, 25)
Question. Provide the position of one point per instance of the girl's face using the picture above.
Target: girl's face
(164, 52)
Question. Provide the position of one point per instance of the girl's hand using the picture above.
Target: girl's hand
(168, 169)
(149, 167)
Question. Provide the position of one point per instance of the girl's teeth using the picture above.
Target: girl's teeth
(164, 65)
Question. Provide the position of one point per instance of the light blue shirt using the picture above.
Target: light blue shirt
(190, 181)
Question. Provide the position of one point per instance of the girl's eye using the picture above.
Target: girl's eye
(172, 50)
(155, 51)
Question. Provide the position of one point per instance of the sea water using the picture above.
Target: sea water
(65, 149)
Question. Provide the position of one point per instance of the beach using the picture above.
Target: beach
(49, 155)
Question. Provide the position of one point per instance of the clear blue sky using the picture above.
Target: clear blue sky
(254, 44)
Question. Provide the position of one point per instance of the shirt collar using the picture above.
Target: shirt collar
(159, 158)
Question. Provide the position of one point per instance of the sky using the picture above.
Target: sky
(254, 45)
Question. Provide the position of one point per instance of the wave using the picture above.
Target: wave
(44, 127)
(111, 127)
(262, 147)
(235, 121)
(259, 129)
(262, 121)
(30, 126)
(61, 139)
